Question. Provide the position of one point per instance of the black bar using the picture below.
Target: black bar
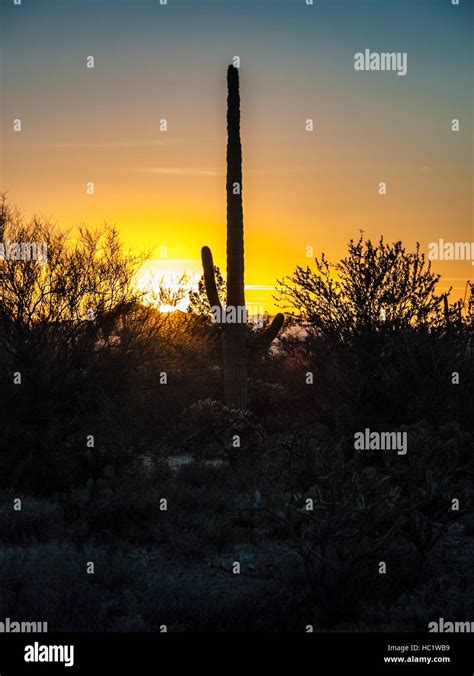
(148, 653)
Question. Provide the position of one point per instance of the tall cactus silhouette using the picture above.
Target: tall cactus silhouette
(471, 303)
(235, 341)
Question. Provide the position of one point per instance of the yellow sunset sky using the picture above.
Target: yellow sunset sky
(166, 190)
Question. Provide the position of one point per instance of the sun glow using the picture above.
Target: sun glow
(165, 289)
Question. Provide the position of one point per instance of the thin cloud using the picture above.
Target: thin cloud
(169, 261)
(104, 144)
(177, 171)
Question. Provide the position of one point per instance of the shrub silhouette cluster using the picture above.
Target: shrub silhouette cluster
(95, 360)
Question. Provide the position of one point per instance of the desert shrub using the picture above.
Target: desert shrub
(373, 286)
(208, 428)
(37, 521)
(48, 582)
(366, 510)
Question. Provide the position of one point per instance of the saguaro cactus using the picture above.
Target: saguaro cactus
(471, 303)
(235, 333)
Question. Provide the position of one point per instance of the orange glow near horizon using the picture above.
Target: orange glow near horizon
(283, 213)
(165, 190)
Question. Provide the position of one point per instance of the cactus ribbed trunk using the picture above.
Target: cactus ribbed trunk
(471, 303)
(235, 333)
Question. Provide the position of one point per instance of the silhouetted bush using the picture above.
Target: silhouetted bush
(146, 385)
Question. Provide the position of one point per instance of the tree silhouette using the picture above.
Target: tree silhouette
(373, 286)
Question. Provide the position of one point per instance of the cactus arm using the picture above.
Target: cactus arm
(262, 340)
(209, 278)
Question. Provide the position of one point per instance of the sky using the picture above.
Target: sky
(165, 190)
